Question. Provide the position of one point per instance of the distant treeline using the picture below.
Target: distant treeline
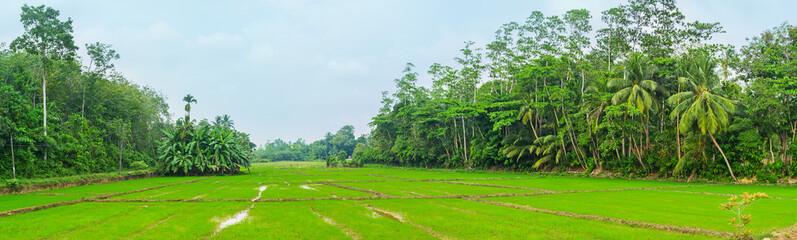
(330, 146)
(649, 95)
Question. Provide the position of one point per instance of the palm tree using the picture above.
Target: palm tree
(547, 147)
(224, 121)
(188, 99)
(701, 111)
(635, 86)
(528, 112)
(518, 146)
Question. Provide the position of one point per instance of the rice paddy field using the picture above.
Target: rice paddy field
(307, 201)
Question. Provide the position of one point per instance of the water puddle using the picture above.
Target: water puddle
(240, 216)
(308, 187)
(259, 194)
(235, 219)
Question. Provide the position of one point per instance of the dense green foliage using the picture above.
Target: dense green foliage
(65, 118)
(330, 146)
(198, 149)
(650, 95)
(98, 120)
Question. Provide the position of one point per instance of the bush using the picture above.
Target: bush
(14, 184)
(766, 177)
(139, 165)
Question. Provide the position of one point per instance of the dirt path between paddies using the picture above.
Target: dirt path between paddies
(670, 228)
(36, 188)
(719, 194)
(496, 186)
(378, 195)
(375, 193)
(89, 199)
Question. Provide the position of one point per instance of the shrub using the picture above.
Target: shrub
(766, 177)
(14, 184)
(139, 165)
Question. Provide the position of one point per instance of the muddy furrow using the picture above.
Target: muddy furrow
(89, 199)
(375, 193)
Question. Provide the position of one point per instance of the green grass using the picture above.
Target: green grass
(157, 180)
(118, 220)
(439, 175)
(461, 219)
(185, 191)
(73, 178)
(309, 191)
(672, 203)
(579, 183)
(100, 188)
(773, 191)
(16, 201)
(671, 208)
(415, 189)
(291, 164)
(287, 220)
(366, 223)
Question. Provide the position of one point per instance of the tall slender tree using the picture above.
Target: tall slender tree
(49, 38)
(700, 109)
(635, 87)
(188, 99)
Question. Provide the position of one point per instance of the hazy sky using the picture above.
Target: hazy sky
(298, 69)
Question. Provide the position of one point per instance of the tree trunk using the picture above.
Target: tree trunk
(770, 151)
(583, 83)
(121, 149)
(678, 136)
(456, 136)
(678, 129)
(83, 104)
(13, 161)
(723, 156)
(44, 104)
(646, 125)
(615, 149)
(44, 98)
(465, 143)
(638, 153)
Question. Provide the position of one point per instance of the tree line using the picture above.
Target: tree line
(61, 114)
(648, 96)
(342, 143)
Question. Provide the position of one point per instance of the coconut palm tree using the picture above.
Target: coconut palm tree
(224, 121)
(547, 148)
(700, 109)
(637, 83)
(528, 111)
(635, 87)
